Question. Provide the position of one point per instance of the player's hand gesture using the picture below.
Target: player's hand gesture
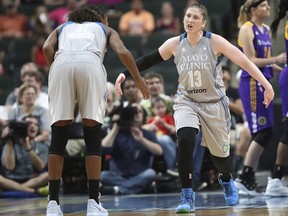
(118, 83)
(268, 96)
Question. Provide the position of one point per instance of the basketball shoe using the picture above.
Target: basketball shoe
(230, 192)
(247, 187)
(187, 201)
(53, 209)
(95, 209)
(276, 188)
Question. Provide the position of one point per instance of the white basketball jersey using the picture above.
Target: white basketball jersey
(87, 36)
(200, 72)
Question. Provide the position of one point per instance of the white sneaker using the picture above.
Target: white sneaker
(276, 188)
(95, 209)
(53, 209)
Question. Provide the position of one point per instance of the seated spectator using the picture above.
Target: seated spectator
(29, 74)
(40, 22)
(113, 103)
(113, 99)
(13, 24)
(26, 106)
(130, 92)
(23, 159)
(37, 54)
(130, 96)
(168, 23)
(60, 15)
(155, 85)
(137, 21)
(162, 123)
(132, 149)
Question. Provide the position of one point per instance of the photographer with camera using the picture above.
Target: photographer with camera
(132, 149)
(24, 160)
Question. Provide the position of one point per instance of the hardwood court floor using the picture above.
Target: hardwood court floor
(207, 203)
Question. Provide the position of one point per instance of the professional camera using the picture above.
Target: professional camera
(17, 130)
(127, 116)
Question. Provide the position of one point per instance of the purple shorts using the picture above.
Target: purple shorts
(252, 95)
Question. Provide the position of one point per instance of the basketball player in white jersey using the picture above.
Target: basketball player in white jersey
(77, 74)
(201, 99)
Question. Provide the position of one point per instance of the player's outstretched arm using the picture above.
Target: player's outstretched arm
(128, 60)
(221, 45)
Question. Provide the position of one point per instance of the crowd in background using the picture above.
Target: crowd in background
(154, 134)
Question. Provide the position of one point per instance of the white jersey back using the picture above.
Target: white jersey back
(87, 36)
(200, 70)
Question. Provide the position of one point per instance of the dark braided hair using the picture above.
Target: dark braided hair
(281, 12)
(87, 13)
(99, 10)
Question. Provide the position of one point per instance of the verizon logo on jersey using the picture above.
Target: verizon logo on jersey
(196, 91)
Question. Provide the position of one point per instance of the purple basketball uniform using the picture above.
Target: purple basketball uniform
(263, 49)
(251, 91)
(283, 79)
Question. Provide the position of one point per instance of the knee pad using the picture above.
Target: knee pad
(186, 142)
(186, 138)
(284, 137)
(92, 137)
(59, 138)
(263, 137)
(186, 135)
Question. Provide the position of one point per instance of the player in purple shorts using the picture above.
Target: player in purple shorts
(275, 186)
(255, 42)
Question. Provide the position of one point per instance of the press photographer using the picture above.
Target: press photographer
(24, 160)
(127, 119)
(132, 149)
(15, 130)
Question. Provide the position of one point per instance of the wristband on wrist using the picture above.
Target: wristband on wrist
(146, 62)
(28, 150)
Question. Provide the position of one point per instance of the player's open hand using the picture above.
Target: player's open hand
(268, 96)
(118, 83)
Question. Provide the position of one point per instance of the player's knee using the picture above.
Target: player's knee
(92, 137)
(263, 137)
(59, 139)
(186, 135)
(284, 137)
